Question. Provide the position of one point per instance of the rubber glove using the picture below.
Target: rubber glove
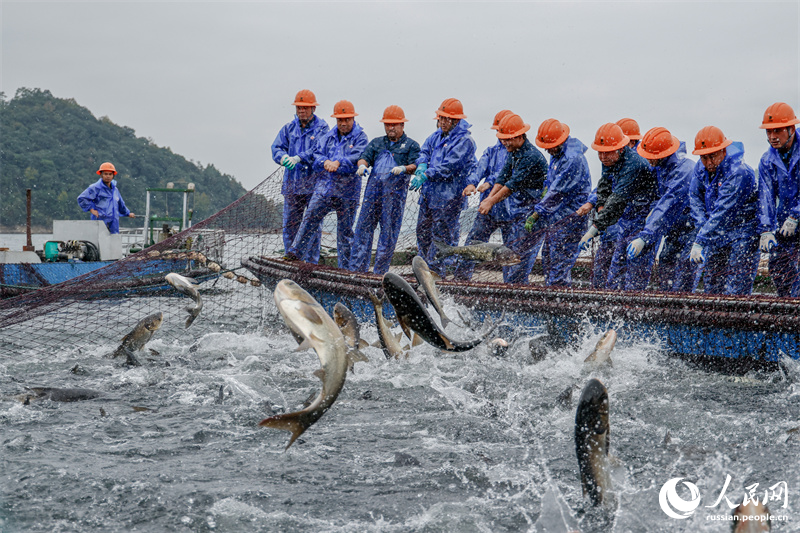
(284, 159)
(635, 248)
(362, 169)
(767, 241)
(419, 177)
(400, 169)
(531, 222)
(291, 161)
(788, 228)
(587, 237)
(697, 256)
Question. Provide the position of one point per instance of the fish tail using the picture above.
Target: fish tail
(291, 422)
(445, 321)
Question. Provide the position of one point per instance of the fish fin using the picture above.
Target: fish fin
(154, 352)
(320, 373)
(310, 313)
(405, 327)
(435, 276)
(399, 336)
(363, 344)
(190, 320)
(416, 341)
(447, 342)
(376, 344)
(358, 355)
(291, 422)
(192, 280)
(303, 346)
(132, 361)
(445, 321)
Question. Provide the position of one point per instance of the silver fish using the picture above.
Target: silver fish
(56, 394)
(389, 343)
(592, 442)
(348, 324)
(187, 286)
(303, 314)
(138, 337)
(425, 278)
(487, 252)
(602, 350)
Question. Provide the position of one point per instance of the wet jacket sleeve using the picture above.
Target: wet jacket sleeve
(121, 207)
(460, 158)
(531, 174)
(413, 153)
(669, 209)
(349, 163)
(308, 154)
(566, 182)
(374, 147)
(697, 198)
(87, 199)
(732, 195)
(280, 146)
(767, 216)
(481, 170)
(425, 151)
(592, 197)
(626, 185)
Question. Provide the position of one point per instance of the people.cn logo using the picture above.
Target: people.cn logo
(673, 505)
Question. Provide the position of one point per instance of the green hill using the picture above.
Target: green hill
(54, 146)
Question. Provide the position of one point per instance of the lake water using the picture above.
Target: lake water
(435, 443)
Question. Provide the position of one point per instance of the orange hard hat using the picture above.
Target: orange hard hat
(551, 133)
(709, 140)
(107, 166)
(305, 98)
(511, 126)
(451, 108)
(610, 137)
(778, 115)
(630, 128)
(499, 116)
(658, 143)
(394, 115)
(344, 109)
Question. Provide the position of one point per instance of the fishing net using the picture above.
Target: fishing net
(99, 308)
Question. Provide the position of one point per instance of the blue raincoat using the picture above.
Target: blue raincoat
(107, 201)
(334, 191)
(725, 212)
(779, 199)
(605, 251)
(450, 159)
(384, 202)
(298, 183)
(524, 173)
(671, 218)
(627, 191)
(568, 184)
(489, 166)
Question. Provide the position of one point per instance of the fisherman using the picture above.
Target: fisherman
(779, 198)
(724, 201)
(103, 200)
(568, 184)
(626, 192)
(446, 159)
(294, 148)
(522, 181)
(337, 189)
(481, 181)
(671, 215)
(392, 160)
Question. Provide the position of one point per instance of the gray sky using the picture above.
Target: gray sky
(214, 80)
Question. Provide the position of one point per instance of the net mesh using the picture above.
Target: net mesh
(100, 307)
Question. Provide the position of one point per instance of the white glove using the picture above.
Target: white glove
(697, 254)
(587, 237)
(399, 170)
(788, 228)
(635, 248)
(362, 169)
(767, 241)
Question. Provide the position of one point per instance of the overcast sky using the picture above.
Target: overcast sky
(214, 81)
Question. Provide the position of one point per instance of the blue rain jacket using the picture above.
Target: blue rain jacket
(489, 166)
(293, 140)
(344, 183)
(724, 206)
(626, 190)
(108, 202)
(568, 183)
(524, 173)
(671, 211)
(450, 159)
(778, 188)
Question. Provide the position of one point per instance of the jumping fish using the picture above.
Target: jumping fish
(591, 443)
(425, 278)
(56, 394)
(488, 252)
(138, 337)
(412, 315)
(752, 517)
(187, 286)
(388, 342)
(348, 325)
(303, 314)
(603, 348)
